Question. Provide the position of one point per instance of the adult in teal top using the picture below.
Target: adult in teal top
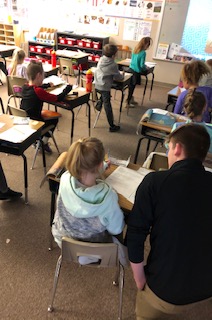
(137, 65)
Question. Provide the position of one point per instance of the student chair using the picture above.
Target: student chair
(124, 52)
(66, 68)
(107, 255)
(14, 89)
(22, 113)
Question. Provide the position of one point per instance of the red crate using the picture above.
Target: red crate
(40, 49)
(48, 50)
(81, 43)
(89, 44)
(63, 40)
(71, 41)
(32, 48)
(97, 45)
(96, 58)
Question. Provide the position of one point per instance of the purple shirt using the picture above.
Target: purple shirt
(207, 91)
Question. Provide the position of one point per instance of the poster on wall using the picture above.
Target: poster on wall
(134, 9)
(135, 30)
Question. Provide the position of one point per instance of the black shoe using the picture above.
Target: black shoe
(10, 194)
(98, 105)
(47, 148)
(114, 128)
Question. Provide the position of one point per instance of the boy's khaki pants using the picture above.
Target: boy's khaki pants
(151, 307)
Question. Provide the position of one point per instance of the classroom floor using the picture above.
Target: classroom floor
(27, 267)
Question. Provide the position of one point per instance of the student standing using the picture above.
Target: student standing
(87, 207)
(34, 94)
(17, 66)
(107, 71)
(190, 75)
(174, 208)
(137, 66)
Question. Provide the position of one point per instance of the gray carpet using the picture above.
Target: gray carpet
(27, 267)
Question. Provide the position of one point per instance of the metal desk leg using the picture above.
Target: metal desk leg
(121, 104)
(43, 156)
(25, 178)
(89, 119)
(153, 76)
(137, 150)
(52, 212)
(72, 126)
(1, 103)
(144, 90)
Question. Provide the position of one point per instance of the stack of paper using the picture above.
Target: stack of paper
(126, 181)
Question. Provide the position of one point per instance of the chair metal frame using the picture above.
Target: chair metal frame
(14, 87)
(107, 253)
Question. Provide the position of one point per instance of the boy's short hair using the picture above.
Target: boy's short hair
(33, 69)
(110, 50)
(194, 138)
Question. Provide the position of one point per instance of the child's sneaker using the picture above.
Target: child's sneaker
(47, 148)
(114, 128)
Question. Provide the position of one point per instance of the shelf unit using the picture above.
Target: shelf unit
(45, 48)
(95, 53)
(9, 34)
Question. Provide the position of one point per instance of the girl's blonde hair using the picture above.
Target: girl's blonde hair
(143, 44)
(18, 58)
(194, 104)
(85, 155)
(193, 71)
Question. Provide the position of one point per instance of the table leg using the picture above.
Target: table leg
(72, 126)
(1, 103)
(25, 178)
(89, 119)
(52, 212)
(150, 95)
(144, 90)
(121, 104)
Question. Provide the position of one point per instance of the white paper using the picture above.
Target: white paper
(126, 181)
(54, 79)
(2, 124)
(17, 133)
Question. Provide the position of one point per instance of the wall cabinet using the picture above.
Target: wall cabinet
(40, 50)
(9, 34)
(84, 42)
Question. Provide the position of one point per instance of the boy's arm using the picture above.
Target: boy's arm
(43, 95)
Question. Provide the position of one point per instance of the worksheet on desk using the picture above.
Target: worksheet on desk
(126, 181)
(17, 134)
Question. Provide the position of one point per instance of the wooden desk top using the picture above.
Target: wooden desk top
(71, 54)
(155, 126)
(8, 120)
(4, 47)
(173, 92)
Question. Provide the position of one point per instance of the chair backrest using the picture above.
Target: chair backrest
(107, 253)
(14, 85)
(17, 112)
(124, 52)
(66, 67)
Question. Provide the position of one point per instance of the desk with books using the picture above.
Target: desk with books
(55, 172)
(75, 98)
(149, 71)
(16, 138)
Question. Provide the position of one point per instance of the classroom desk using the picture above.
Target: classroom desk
(151, 132)
(122, 85)
(71, 102)
(18, 148)
(172, 98)
(79, 57)
(149, 71)
(54, 183)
